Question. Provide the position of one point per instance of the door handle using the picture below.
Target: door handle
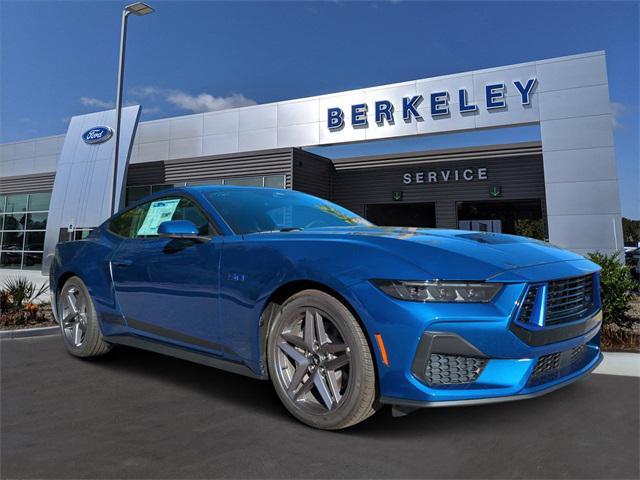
(121, 263)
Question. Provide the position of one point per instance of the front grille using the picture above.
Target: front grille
(527, 305)
(566, 300)
(453, 369)
(569, 299)
(555, 365)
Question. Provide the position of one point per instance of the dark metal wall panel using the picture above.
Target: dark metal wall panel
(268, 162)
(312, 174)
(150, 173)
(42, 182)
(521, 177)
(418, 158)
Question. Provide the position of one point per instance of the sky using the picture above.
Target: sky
(59, 59)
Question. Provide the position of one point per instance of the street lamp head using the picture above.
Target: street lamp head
(139, 9)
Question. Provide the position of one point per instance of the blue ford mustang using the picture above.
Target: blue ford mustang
(341, 315)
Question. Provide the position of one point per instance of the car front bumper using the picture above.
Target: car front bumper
(507, 365)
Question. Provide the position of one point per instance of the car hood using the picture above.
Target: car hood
(455, 254)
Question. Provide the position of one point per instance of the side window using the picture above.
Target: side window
(188, 210)
(144, 220)
(128, 224)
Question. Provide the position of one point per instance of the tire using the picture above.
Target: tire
(310, 339)
(79, 323)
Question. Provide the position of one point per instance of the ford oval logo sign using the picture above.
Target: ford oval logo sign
(97, 135)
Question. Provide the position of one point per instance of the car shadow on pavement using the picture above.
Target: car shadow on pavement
(227, 388)
(241, 392)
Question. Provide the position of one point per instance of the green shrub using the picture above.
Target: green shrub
(529, 227)
(617, 288)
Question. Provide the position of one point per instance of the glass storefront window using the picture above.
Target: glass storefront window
(244, 181)
(23, 222)
(12, 240)
(274, 181)
(37, 221)
(34, 241)
(39, 202)
(16, 203)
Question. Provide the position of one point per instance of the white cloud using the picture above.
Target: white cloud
(95, 103)
(617, 111)
(205, 102)
(146, 91)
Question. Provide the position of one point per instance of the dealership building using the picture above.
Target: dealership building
(562, 188)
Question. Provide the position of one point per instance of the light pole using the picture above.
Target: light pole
(138, 9)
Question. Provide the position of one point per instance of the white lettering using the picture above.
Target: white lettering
(468, 174)
(407, 178)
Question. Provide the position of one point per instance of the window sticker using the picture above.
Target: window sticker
(159, 211)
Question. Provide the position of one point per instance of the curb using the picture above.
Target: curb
(620, 363)
(29, 332)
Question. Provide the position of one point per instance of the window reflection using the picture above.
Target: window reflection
(23, 222)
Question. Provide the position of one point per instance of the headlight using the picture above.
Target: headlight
(437, 291)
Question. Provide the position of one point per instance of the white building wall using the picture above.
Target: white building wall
(570, 102)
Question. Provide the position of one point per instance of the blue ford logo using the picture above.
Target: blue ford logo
(97, 135)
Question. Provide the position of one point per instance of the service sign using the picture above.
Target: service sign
(97, 135)
(438, 104)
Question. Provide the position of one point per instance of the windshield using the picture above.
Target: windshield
(265, 210)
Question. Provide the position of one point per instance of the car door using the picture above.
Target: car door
(168, 288)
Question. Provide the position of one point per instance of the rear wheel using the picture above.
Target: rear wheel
(79, 321)
(320, 363)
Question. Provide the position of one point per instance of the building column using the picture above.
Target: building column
(581, 183)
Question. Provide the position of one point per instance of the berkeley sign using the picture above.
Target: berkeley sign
(384, 110)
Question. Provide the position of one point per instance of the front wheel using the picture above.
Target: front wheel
(320, 363)
(79, 321)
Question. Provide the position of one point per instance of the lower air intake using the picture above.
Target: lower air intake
(453, 369)
(556, 365)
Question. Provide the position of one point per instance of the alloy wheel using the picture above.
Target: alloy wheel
(313, 361)
(74, 315)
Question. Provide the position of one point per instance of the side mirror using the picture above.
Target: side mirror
(179, 229)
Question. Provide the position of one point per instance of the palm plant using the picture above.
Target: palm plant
(19, 292)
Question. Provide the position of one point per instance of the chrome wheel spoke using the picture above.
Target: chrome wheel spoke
(337, 362)
(294, 340)
(296, 380)
(68, 320)
(322, 388)
(77, 334)
(322, 337)
(304, 388)
(71, 303)
(333, 348)
(309, 330)
(332, 380)
(292, 353)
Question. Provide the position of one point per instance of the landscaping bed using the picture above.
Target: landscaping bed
(21, 306)
(625, 337)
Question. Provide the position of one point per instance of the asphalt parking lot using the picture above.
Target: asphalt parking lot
(135, 414)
